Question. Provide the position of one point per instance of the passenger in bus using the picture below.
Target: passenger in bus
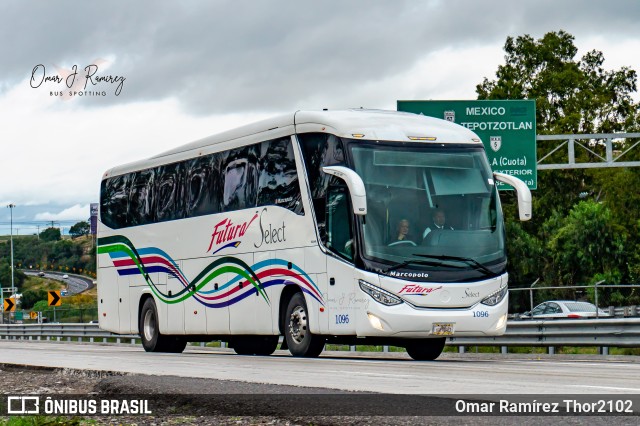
(402, 235)
(438, 219)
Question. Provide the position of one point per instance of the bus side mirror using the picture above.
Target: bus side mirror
(522, 192)
(355, 185)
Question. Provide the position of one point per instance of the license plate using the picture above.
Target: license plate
(443, 328)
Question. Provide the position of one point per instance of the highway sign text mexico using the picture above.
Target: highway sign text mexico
(507, 129)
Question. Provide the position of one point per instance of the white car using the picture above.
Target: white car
(65, 276)
(564, 309)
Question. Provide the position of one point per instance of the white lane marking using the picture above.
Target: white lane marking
(362, 373)
(577, 362)
(606, 387)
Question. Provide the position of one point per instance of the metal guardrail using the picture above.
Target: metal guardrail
(603, 333)
(623, 311)
(617, 332)
(60, 332)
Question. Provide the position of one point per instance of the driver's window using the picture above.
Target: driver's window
(339, 235)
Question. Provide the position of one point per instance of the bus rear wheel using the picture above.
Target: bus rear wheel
(255, 345)
(300, 341)
(152, 340)
(426, 349)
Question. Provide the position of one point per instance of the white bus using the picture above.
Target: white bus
(290, 227)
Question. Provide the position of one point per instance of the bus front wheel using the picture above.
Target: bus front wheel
(152, 340)
(300, 341)
(426, 349)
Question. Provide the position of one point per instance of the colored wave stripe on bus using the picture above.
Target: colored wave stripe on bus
(302, 276)
(234, 244)
(120, 244)
(131, 261)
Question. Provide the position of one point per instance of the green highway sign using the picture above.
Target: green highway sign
(507, 129)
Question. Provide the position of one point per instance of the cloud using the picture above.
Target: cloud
(247, 56)
(71, 213)
(56, 152)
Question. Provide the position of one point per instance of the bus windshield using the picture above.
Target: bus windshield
(430, 208)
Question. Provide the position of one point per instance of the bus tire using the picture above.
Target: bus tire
(174, 345)
(148, 327)
(300, 340)
(255, 345)
(426, 349)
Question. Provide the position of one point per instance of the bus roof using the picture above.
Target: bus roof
(352, 123)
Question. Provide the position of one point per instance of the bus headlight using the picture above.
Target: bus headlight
(379, 295)
(375, 322)
(496, 297)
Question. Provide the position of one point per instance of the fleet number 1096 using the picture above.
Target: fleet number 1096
(342, 319)
(480, 314)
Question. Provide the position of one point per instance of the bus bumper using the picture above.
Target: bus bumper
(407, 321)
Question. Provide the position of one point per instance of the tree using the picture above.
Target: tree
(41, 306)
(31, 297)
(50, 234)
(581, 239)
(587, 244)
(80, 229)
(572, 96)
(5, 275)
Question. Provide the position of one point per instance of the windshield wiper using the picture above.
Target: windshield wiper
(414, 261)
(472, 262)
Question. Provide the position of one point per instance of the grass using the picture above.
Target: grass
(71, 305)
(93, 292)
(37, 283)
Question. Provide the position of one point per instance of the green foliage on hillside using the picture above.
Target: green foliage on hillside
(31, 253)
(5, 273)
(80, 229)
(50, 234)
(31, 297)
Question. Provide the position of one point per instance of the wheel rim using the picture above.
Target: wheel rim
(298, 324)
(149, 325)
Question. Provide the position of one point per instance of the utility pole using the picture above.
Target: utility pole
(53, 225)
(11, 207)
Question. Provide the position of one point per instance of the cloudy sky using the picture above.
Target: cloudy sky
(195, 68)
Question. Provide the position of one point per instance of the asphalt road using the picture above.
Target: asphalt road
(391, 373)
(75, 283)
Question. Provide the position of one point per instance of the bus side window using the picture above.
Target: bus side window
(141, 198)
(278, 177)
(115, 200)
(319, 150)
(197, 189)
(339, 233)
(169, 192)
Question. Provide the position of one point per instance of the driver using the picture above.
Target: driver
(439, 219)
(402, 233)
